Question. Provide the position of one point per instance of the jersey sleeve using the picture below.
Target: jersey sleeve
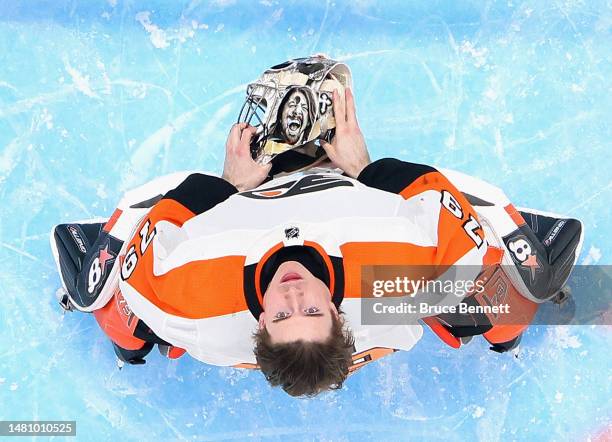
(200, 192)
(453, 222)
(195, 195)
(392, 175)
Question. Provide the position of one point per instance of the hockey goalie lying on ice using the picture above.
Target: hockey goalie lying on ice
(246, 271)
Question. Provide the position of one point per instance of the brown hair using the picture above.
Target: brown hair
(306, 368)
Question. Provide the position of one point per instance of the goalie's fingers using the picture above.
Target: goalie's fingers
(339, 110)
(351, 114)
(233, 138)
(248, 133)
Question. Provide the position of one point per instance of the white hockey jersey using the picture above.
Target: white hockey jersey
(190, 268)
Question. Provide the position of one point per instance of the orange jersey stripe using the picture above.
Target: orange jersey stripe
(453, 240)
(168, 210)
(515, 215)
(199, 289)
(429, 181)
(358, 254)
(112, 221)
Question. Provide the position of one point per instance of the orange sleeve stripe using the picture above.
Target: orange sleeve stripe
(169, 210)
(428, 181)
(453, 241)
(202, 289)
(438, 182)
(358, 254)
(112, 221)
(198, 289)
(515, 215)
(387, 253)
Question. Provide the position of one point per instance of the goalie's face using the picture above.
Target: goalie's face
(297, 306)
(294, 116)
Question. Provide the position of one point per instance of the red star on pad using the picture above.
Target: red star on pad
(104, 256)
(532, 263)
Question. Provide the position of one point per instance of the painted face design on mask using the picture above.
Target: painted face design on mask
(294, 117)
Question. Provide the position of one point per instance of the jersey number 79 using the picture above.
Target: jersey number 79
(470, 226)
(132, 255)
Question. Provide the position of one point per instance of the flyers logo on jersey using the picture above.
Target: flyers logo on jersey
(306, 184)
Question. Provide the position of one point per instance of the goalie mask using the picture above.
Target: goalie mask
(290, 105)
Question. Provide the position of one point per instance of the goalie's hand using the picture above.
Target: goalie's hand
(348, 148)
(239, 168)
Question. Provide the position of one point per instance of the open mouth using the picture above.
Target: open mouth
(294, 124)
(292, 276)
